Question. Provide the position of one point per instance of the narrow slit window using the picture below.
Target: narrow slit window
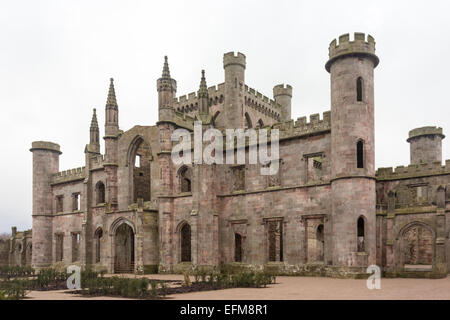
(361, 235)
(359, 89)
(360, 154)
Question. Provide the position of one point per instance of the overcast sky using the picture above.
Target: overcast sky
(56, 58)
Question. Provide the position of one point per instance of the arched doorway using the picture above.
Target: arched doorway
(124, 249)
(185, 243)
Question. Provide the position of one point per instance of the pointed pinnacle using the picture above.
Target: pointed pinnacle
(94, 123)
(166, 71)
(203, 88)
(111, 100)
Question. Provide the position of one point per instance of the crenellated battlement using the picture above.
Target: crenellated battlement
(261, 103)
(231, 58)
(302, 127)
(358, 47)
(188, 103)
(425, 131)
(68, 175)
(413, 171)
(282, 89)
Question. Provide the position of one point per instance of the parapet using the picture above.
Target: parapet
(301, 127)
(68, 175)
(413, 171)
(358, 47)
(425, 131)
(231, 58)
(281, 89)
(45, 145)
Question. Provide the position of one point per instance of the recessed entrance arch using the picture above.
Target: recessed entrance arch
(123, 233)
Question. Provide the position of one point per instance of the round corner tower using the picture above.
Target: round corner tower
(351, 66)
(425, 145)
(45, 163)
(283, 95)
(234, 66)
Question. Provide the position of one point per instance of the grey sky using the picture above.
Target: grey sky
(56, 58)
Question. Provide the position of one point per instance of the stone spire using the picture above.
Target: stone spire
(111, 100)
(94, 134)
(203, 95)
(94, 123)
(167, 87)
(166, 71)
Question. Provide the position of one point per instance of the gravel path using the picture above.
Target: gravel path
(300, 288)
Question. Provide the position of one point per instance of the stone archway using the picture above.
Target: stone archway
(417, 245)
(124, 249)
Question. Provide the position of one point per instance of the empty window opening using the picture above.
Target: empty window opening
(314, 168)
(238, 178)
(98, 238)
(320, 243)
(76, 206)
(59, 203)
(100, 192)
(185, 244)
(275, 240)
(237, 247)
(359, 89)
(361, 233)
(185, 174)
(137, 161)
(59, 248)
(360, 154)
(76, 239)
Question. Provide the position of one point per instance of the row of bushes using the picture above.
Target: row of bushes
(13, 289)
(123, 287)
(243, 279)
(15, 271)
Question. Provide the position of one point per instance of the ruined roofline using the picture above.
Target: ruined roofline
(413, 170)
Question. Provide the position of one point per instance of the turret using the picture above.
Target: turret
(234, 66)
(45, 163)
(111, 145)
(167, 89)
(283, 95)
(351, 65)
(425, 145)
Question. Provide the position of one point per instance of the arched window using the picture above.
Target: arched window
(260, 124)
(98, 237)
(248, 121)
(359, 89)
(237, 247)
(100, 190)
(360, 154)
(361, 234)
(185, 179)
(185, 243)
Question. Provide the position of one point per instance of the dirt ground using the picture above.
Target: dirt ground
(301, 288)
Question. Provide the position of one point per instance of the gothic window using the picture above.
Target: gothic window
(98, 237)
(76, 202)
(275, 240)
(59, 204)
(185, 175)
(100, 191)
(248, 121)
(361, 235)
(185, 243)
(360, 154)
(237, 247)
(238, 178)
(359, 89)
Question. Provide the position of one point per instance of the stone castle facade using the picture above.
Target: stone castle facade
(327, 211)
